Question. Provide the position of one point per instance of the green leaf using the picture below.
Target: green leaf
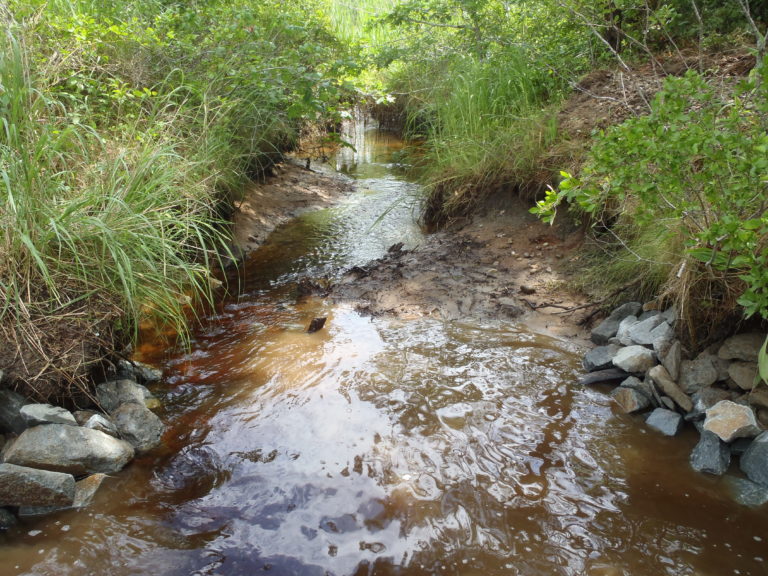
(762, 362)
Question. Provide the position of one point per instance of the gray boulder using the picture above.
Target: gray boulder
(743, 374)
(139, 426)
(35, 414)
(754, 461)
(69, 449)
(600, 358)
(711, 455)
(622, 334)
(730, 420)
(634, 359)
(742, 347)
(671, 358)
(695, 374)
(102, 424)
(85, 490)
(661, 378)
(665, 421)
(642, 332)
(607, 328)
(662, 337)
(112, 394)
(20, 486)
(11, 419)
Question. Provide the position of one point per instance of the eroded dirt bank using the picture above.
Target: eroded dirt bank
(290, 190)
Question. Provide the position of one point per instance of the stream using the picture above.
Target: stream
(385, 446)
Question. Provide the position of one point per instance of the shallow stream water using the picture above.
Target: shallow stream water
(381, 446)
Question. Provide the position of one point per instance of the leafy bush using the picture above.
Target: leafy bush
(697, 165)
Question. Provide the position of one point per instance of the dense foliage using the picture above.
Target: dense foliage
(695, 168)
(126, 129)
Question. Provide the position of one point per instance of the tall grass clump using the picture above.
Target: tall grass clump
(95, 235)
(128, 129)
(485, 128)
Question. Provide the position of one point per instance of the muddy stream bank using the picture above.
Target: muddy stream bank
(438, 431)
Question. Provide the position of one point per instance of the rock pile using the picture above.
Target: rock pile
(716, 391)
(55, 459)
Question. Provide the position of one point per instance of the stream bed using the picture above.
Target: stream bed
(385, 446)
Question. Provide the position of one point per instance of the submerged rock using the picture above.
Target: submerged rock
(35, 414)
(746, 492)
(69, 449)
(730, 420)
(665, 421)
(21, 486)
(711, 455)
(139, 426)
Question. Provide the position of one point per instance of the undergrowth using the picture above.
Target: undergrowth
(681, 193)
(127, 130)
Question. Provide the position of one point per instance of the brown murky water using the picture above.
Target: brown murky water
(387, 447)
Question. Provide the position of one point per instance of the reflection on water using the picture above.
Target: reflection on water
(385, 447)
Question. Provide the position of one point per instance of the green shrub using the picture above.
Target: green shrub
(697, 165)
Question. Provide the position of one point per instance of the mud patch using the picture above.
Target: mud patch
(505, 263)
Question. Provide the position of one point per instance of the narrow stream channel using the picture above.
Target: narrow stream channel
(380, 446)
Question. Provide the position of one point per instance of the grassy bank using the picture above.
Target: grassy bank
(128, 128)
